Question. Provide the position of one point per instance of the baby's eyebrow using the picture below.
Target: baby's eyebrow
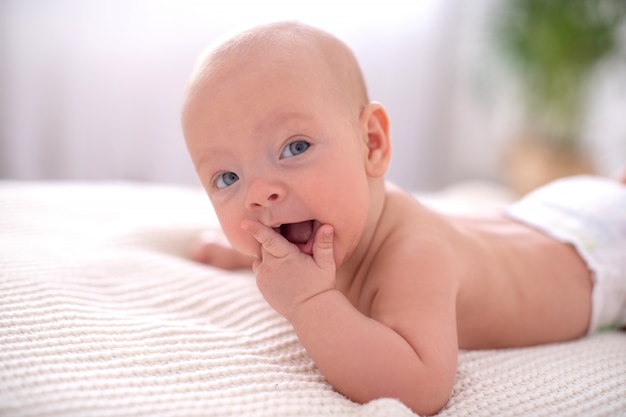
(282, 117)
(209, 157)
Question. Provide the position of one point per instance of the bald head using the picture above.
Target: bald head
(281, 44)
(284, 106)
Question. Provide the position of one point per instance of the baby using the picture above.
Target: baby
(381, 290)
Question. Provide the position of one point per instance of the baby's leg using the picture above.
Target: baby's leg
(213, 249)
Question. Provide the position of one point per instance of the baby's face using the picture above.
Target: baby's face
(273, 144)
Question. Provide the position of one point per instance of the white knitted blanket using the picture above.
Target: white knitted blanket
(101, 314)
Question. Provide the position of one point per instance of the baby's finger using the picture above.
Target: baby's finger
(323, 248)
(272, 242)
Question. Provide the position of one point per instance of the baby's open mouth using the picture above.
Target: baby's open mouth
(300, 234)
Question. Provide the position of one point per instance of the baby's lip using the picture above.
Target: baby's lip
(301, 234)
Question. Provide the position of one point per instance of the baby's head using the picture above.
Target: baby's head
(279, 127)
(287, 47)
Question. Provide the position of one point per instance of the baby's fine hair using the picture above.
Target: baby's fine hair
(261, 41)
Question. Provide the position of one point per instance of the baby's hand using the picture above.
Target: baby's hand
(286, 276)
(212, 248)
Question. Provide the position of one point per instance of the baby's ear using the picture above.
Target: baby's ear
(375, 125)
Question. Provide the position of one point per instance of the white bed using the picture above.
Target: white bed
(101, 314)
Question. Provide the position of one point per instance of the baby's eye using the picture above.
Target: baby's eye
(226, 179)
(295, 148)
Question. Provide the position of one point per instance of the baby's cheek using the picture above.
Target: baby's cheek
(253, 248)
(237, 237)
(244, 243)
(343, 247)
(338, 254)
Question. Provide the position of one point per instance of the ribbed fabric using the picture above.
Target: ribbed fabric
(101, 314)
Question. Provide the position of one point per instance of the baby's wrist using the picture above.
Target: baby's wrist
(307, 311)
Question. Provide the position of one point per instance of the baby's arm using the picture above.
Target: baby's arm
(407, 350)
(212, 248)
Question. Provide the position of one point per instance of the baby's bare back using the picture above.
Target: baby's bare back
(514, 285)
(519, 286)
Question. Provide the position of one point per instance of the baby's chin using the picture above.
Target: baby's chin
(250, 248)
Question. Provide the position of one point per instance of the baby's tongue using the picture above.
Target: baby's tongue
(297, 232)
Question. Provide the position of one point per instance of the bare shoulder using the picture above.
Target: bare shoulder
(416, 281)
(417, 250)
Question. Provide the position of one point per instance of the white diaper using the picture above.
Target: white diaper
(590, 214)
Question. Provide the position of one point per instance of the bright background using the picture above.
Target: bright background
(92, 90)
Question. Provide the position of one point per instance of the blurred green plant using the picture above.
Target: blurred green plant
(552, 46)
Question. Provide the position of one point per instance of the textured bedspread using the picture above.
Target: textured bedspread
(101, 314)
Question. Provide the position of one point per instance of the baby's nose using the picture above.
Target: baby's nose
(263, 193)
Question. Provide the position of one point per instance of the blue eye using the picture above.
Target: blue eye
(226, 179)
(295, 148)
